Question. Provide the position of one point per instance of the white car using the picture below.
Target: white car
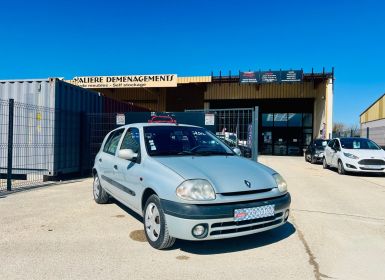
(354, 155)
(187, 184)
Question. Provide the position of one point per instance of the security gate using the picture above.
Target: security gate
(236, 127)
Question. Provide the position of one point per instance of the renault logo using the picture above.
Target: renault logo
(248, 184)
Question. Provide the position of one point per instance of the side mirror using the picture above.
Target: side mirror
(127, 154)
(237, 151)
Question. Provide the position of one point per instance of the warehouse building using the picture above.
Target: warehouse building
(294, 107)
(373, 121)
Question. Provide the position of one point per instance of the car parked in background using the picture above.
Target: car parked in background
(354, 155)
(161, 119)
(187, 184)
(315, 151)
(231, 139)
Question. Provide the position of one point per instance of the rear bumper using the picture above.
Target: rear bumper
(219, 218)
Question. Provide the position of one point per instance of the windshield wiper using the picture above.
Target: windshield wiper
(186, 153)
(214, 153)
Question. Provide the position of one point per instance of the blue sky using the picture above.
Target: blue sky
(76, 38)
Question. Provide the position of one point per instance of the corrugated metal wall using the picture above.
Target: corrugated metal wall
(34, 92)
(374, 112)
(218, 91)
(76, 99)
(196, 79)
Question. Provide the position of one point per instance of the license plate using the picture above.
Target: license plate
(253, 213)
(374, 167)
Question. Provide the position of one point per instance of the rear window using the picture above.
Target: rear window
(321, 143)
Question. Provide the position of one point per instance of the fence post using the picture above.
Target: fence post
(367, 132)
(10, 144)
(254, 151)
(351, 133)
(82, 142)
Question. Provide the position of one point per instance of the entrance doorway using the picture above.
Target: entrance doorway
(285, 133)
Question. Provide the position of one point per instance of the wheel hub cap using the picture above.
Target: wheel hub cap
(96, 187)
(152, 222)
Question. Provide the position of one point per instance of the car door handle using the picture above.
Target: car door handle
(115, 167)
(100, 160)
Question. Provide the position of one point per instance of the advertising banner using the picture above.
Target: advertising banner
(271, 76)
(249, 77)
(291, 76)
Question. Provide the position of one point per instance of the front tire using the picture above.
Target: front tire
(100, 195)
(313, 160)
(155, 226)
(325, 164)
(340, 168)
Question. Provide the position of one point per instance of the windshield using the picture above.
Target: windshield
(182, 140)
(359, 144)
(320, 144)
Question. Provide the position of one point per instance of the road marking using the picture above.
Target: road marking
(338, 214)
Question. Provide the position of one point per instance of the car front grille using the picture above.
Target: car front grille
(372, 162)
(246, 192)
(242, 226)
(371, 169)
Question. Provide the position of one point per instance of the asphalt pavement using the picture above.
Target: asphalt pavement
(336, 231)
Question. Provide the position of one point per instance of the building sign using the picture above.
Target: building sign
(209, 119)
(133, 81)
(120, 119)
(271, 76)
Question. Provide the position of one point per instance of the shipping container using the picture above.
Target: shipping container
(50, 132)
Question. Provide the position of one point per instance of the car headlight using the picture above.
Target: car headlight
(281, 183)
(349, 155)
(197, 189)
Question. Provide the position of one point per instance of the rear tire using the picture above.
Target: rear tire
(340, 168)
(325, 164)
(100, 195)
(155, 226)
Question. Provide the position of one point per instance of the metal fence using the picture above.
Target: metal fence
(37, 144)
(99, 125)
(377, 134)
(237, 127)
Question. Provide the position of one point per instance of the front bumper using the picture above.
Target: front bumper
(219, 218)
(352, 165)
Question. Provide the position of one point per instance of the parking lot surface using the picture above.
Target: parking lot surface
(336, 231)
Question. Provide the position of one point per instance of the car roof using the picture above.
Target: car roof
(141, 125)
(344, 138)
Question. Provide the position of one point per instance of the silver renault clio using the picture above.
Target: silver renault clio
(187, 184)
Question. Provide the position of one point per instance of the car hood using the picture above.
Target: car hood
(366, 154)
(225, 173)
